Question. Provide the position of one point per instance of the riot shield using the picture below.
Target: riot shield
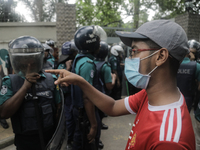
(60, 137)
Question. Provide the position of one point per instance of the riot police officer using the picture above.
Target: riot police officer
(188, 76)
(104, 72)
(194, 48)
(192, 84)
(53, 56)
(29, 97)
(115, 59)
(104, 68)
(87, 40)
(3, 122)
(69, 51)
(8, 64)
(47, 64)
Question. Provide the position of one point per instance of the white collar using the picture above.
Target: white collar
(168, 106)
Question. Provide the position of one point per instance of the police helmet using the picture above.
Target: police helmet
(26, 55)
(103, 51)
(194, 44)
(68, 48)
(116, 50)
(87, 38)
(50, 43)
(122, 45)
(47, 48)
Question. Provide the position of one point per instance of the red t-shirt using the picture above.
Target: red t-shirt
(166, 127)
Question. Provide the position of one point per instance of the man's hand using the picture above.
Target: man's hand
(68, 65)
(30, 79)
(65, 77)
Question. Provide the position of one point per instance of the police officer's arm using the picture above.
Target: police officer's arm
(90, 111)
(10, 106)
(110, 85)
(68, 65)
(117, 77)
(107, 104)
(114, 70)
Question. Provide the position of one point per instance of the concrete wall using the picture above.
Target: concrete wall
(191, 25)
(65, 22)
(40, 30)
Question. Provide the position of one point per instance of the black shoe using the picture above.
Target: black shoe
(101, 144)
(105, 115)
(104, 127)
(4, 123)
(69, 146)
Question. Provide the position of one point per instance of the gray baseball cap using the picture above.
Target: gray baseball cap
(165, 33)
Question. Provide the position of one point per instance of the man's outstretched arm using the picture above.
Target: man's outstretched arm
(105, 103)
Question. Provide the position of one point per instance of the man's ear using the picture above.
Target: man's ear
(162, 56)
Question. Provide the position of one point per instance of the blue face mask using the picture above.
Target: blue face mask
(132, 72)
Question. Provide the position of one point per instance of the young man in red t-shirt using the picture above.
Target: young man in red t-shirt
(163, 121)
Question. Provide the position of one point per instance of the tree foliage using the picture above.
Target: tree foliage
(168, 9)
(42, 10)
(138, 9)
(103, 13)
(7, 13)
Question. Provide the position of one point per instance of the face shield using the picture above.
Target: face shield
(26, 55)
(99, 31)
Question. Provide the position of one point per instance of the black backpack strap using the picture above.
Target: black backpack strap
(98, 67)
(75, 60)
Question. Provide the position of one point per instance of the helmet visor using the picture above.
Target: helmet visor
(99, 31)
(26, 61)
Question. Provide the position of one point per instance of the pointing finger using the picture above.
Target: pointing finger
(55, 71)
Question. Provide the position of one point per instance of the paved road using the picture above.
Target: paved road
(115, 137)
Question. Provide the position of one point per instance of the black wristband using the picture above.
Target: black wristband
(28, 80)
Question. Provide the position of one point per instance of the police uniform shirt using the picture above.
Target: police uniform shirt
(6, 90)
(113, 62)
(85, 67)
(105, 72)
(51, 59)
(197, 73)
(7, 61)
(62, 66)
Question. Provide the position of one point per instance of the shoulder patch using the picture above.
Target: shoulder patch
(57, 87)
(4, 89)
(92, 74)
(115, 64)
(90, 61)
